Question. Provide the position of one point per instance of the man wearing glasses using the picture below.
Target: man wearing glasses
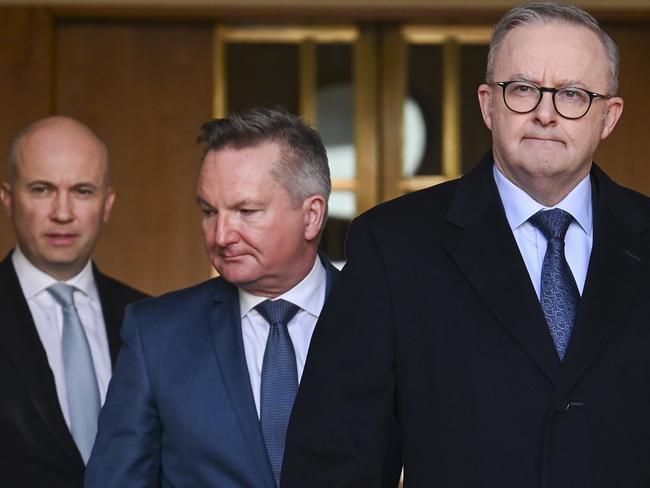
(494, 331)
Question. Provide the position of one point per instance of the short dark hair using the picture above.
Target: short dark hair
(302, 170)
(545, 13)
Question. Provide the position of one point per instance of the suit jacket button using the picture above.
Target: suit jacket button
(566, 405)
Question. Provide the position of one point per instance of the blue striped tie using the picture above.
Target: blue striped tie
(279, 380)
(80, 379)
(559, 295)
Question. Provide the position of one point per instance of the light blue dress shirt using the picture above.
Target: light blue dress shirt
(309, 295)
(520, 206)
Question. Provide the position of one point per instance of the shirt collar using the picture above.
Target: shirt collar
(309, 294)
(520, 206)
(34, 281)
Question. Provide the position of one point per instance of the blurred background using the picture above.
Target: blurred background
(391, 86)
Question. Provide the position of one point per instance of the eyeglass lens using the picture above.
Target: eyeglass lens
(569, 102)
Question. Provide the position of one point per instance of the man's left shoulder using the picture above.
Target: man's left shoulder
(626, 206)
(116, 290)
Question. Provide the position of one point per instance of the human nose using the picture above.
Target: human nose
(62, 210)
(545, 111)
(225, 230)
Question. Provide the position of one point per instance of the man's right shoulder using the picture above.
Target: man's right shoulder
(179, 304)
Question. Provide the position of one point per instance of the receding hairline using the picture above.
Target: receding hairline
(13, 159)
(279, 160)
(550, 13)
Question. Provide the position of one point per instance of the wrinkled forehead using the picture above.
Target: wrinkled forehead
(553, 54)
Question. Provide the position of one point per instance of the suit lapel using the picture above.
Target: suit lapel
(30, 359)
(331, 273)
(618, 267)
(486, 252)
(225, 329)
(112, 312)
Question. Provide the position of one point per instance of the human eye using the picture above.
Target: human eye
(572, 95)
(248, 211)
(522, 89)
(208, 211)
(40, 189)
(85, 191)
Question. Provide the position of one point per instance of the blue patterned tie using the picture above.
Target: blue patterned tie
(279, 380)
(80, 380)
(559, 295)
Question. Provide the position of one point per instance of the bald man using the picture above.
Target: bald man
(60, 317)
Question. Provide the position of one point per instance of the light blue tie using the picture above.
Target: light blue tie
(559, 295)
(279, 380)
(80, 379)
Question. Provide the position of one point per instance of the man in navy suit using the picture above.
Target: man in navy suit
(58, 196)
(199, 394)
(494, 331)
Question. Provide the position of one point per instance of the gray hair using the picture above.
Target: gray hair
(302, 171)
(545, 13)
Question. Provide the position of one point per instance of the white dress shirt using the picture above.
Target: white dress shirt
(520, 206)
(48, 317)
(309, 295)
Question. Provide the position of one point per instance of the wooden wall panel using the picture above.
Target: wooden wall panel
(146, 88)
(624, 154)
(25, 83)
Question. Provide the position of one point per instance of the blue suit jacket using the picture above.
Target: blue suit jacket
(180, 409)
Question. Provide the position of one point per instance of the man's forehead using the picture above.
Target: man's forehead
(69, 167)
(566, 52)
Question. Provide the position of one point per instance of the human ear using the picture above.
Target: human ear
(612, 114)
(314, 209)
(485, 102)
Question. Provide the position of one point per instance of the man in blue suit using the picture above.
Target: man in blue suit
(204, 386)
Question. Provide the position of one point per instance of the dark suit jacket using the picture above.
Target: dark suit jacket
(180, 409)
(433, 346)
(37, 448)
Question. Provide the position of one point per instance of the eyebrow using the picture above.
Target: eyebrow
(202, 202)
(563, 83)
(243, 203)
(55, 185)
(40, 182)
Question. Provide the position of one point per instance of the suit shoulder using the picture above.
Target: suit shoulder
(182, 299)
(433, 202)
(117, 289)
(7, 272)
(639, 199)
(631, 207)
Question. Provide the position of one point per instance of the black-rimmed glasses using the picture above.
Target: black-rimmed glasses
(570, 102)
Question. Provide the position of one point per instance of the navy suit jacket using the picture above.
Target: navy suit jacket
(180, 409)
(459, 377)
(37, 447)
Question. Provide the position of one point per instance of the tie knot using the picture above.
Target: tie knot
(277, 311)
(552, 223)
(62, 293)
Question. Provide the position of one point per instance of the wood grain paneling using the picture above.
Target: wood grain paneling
(624, 154)
(146, 89)
(25, 83)
(145, 84)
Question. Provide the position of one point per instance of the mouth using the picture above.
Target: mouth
(61, 239)
(229, 255)
(540, 139)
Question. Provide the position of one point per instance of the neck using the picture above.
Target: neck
(548, 190)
